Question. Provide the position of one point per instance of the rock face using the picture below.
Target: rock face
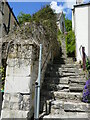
(61, 93)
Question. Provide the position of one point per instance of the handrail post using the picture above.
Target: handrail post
(37, 88)
(84, 60)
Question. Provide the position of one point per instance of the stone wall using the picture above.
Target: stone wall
(22, 56)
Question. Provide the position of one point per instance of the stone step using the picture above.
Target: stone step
(70, 106)
(67, 116)
(68, 95)
(63, 73)
(76, 85)
(54, 87)
(71, 70)
(70, 66)
(63, 80)
(81, 81)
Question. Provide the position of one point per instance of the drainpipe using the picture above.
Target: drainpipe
(37, 88)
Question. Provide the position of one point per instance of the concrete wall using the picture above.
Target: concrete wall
(81, 30)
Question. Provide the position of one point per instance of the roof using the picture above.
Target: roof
(80, 5)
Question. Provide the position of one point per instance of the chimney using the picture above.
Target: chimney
(79, 1)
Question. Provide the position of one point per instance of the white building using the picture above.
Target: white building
(81, 26)
(61, 22)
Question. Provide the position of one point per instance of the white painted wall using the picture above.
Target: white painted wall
(81, 29)
(89, 31)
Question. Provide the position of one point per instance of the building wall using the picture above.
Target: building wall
(89, 31)
(81, 30)
(62, 24)
(73, 21)
(5, 17)
(59, 24)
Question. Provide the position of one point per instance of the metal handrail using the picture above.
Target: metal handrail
(86, 58)
(37, 84)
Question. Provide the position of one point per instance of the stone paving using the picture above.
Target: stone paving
(62, 90)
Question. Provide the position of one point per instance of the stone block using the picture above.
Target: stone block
(76, 107)
(14, 114)
(19, 68)
(14, 106)
(18, 85)
(64, 80)
(5, 104)
(6, 96)
(67, 95)
(16, 97)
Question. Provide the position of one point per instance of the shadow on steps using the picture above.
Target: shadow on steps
(47, 88)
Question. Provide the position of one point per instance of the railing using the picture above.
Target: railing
(84, 56)
(37, 84)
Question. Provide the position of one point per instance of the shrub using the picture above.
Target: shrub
(22, 17)
(70, 44)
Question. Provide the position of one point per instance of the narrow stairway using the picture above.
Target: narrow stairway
(62, 90)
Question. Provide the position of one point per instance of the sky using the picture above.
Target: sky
(31, 7)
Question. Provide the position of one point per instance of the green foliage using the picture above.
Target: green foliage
(48, 19)
(58, 37)
(2, 78)
(88, 65)
(22, 17)
(70, 44)
(68, 24)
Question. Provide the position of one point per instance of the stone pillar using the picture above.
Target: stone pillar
(21, 73)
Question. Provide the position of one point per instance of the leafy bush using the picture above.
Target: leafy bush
(68, 24)
(86, 92)
(70, 44)
(22, 17)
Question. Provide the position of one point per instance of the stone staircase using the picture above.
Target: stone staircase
(61, 93)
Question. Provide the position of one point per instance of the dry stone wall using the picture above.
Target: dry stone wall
(22, 56)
